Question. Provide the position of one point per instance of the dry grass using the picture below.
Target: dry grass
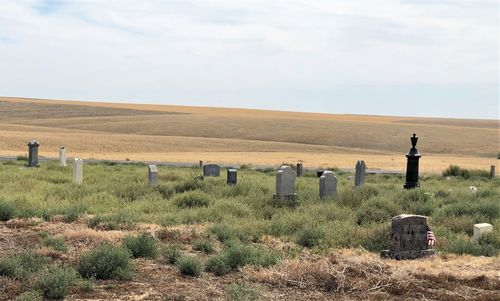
(188, 134)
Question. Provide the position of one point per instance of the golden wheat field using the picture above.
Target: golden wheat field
(241, 136)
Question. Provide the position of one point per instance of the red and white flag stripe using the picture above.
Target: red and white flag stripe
(431, 239)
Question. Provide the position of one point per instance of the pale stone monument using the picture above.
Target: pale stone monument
(327, 185)
(232, 176)
(409, 238)
(77, 171)
(299, 169)
(211, 170)
(62, 156)
(152, 175)
(359, 179)
(285, 183)
(480, 230)
(33, 153)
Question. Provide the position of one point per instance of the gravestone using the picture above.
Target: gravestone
(319, 173)
(152, 175)
(327, 185)
(480, 230)
(492, 171)
(285, 183)
(62, 156)
(211, 170)
(33, 153)
(232, 176)
(78, 171)
(201, 164)
(413, 158)
(408, 238)
(299, 169)
(359, 178)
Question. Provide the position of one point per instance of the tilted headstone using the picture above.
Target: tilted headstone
(78, 171)
(359, 178)
(62, 156)
(299, 169)
(480, 230)
(33, 153)
(152, 175)
(408, 238)
(211, 170)
(492, 171)
(232, 176)
(327, 185)
(285, 183)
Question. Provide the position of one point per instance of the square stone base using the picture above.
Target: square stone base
(402, 255)
(287, 197)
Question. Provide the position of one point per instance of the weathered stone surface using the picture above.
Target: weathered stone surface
(211, 170)
(152, 175)
(33, 153)
(408, 238)
(359, 179)
(285, 182)
(232, 176)
(62, 156)
(78, 171)
(327, 185)
(480, 230)
(299, 169)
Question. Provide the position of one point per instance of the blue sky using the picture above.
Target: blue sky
(412, 58)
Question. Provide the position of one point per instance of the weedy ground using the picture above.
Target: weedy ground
(190, 239)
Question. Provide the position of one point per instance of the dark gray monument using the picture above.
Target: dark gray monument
(492, 171)
(201, 164)
(408, 238)
(412, 165)
(33, 153)
(285, 183)
(359, 178)
(232, 176)
(211, 170)
(299, 169)
(152, 175)
(327, 185)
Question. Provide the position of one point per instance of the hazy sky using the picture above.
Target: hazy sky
(418, 58)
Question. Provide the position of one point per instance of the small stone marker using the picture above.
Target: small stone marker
(408, 238)
(285, 183)
(359, 178)
(492, 171)
(327, 185)
(33, 153)
(480, 230)
(201, 164)
(299, 169)
(62, 156)
(211, 170)
(77, 171)
(152, 175)
(232, 176)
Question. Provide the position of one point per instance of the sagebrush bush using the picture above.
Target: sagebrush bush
(141, 246)
(171, 253)
(192, 199)
(218, 265)
(21, 265)
(29, 296)
(203, 246)
(56, 243)
(6, 211)
(190, 266)
(118, 221)
(309, 237)
(106, 262)
(56, 281)
(457, 171)
(242, 292)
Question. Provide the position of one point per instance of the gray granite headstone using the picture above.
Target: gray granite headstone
(327, 185)
(152, 175)
(33, 153)
(299, 169)
(78, 171)
(359, 178)
(408, 238)
(62, 156)
(285, 183)
(232, 176)
(211, 170)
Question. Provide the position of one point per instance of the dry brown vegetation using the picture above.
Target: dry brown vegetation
(188, 134)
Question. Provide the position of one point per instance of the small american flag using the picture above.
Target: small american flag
(431, 239)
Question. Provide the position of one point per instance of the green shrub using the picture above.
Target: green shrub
(203, 246)
(192, 199)
(21, 265)
(86, 285)
(190, 266)
(56, 243)
(218, 265)
(223, 232)
(376, 211)
(171, 253)
(141, 246)
(72, 213)
(6, 211)
(242, 292)
(106, 262)
(464, 246)
(457, 171)
(22, 158)
(309, 237)
(189, 185)
(118, 221)
(56, 281)
(29, 296)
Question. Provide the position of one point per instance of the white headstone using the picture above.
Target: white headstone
(78, 171)
(62, 156)
(359, 178)
(285, 181)
(327, 185)
(152, 175)
(481, 229)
